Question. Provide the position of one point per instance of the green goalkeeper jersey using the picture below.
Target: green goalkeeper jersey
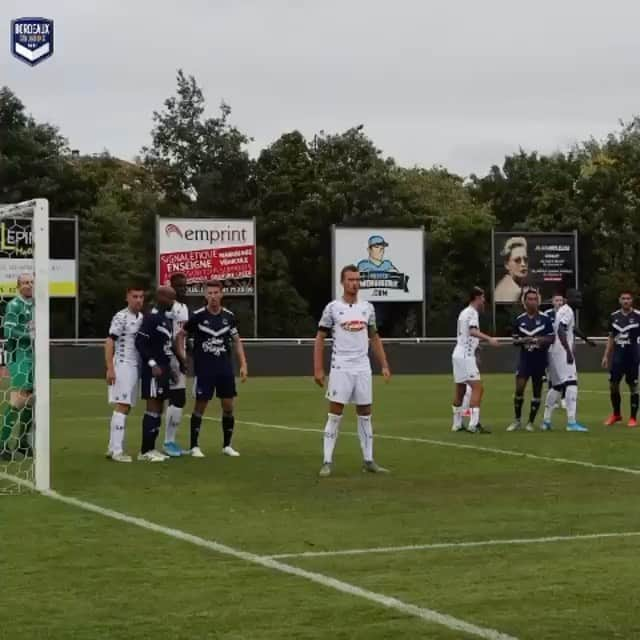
(18, 329)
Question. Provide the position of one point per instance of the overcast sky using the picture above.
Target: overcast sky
(457, 83)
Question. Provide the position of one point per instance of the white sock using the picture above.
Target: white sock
(571, 397)
(331, 435)
(116, 432)
(475, 417)
(173, 418)
(550, 403)
(365, 433)
(466, 401)
(457, 416)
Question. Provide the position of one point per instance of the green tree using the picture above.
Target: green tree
(35, 160)
(199, 158)
(594, 189)
(459, 231)
(303, 188)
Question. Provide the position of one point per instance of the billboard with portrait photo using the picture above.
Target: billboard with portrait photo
(546, 261)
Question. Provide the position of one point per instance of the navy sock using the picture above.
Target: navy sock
(518, 401)
(150, 430)
(228, 422)
(533, 412)
(196, 423)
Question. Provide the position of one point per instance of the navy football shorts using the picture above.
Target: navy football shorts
(218, 385)
(531, 368)
(155, 387)
(624, 368)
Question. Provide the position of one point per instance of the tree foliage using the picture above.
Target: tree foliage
(297, 188)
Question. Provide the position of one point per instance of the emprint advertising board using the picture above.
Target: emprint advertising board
(208, 249)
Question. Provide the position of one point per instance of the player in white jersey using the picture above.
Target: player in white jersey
(352, 324)
(177, 396)
(465, 364)
(557, 301)
(123, 369)
(562, 370)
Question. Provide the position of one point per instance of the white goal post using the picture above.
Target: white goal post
(38, 211)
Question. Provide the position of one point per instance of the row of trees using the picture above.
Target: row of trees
(297, 188)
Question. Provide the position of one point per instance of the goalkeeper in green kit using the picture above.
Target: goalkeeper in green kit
(18, 334)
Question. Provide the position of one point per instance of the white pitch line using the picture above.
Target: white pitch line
(456, 545)
(457, 445)
(27, 484)
(431, 441)
(427, 615)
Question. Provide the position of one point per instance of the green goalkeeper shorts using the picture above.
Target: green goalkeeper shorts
(21, 374)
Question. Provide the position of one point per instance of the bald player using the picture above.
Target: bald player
(155, 344)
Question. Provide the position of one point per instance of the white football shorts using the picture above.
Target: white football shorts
(180, 378)
(465, 369)
(350, 387)
(125, 389)
(559, 371)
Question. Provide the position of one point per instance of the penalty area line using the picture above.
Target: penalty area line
(455, 445)
(423, 613)
(456, 545)
(431, 441)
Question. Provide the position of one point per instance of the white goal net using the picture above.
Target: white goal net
(24, 343)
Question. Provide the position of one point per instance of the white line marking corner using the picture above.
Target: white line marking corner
(457, 545)
(425, 614)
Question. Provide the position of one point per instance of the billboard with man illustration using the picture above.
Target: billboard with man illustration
(390, 262)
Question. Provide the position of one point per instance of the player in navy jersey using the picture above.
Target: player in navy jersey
(155, 344)
(178, 314)
(215, 336)
(533, 334)
(622, 357)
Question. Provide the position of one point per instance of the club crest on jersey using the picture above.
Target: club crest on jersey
(353, 325)
(32, 39)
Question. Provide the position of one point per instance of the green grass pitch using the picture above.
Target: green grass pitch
(69, 574)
